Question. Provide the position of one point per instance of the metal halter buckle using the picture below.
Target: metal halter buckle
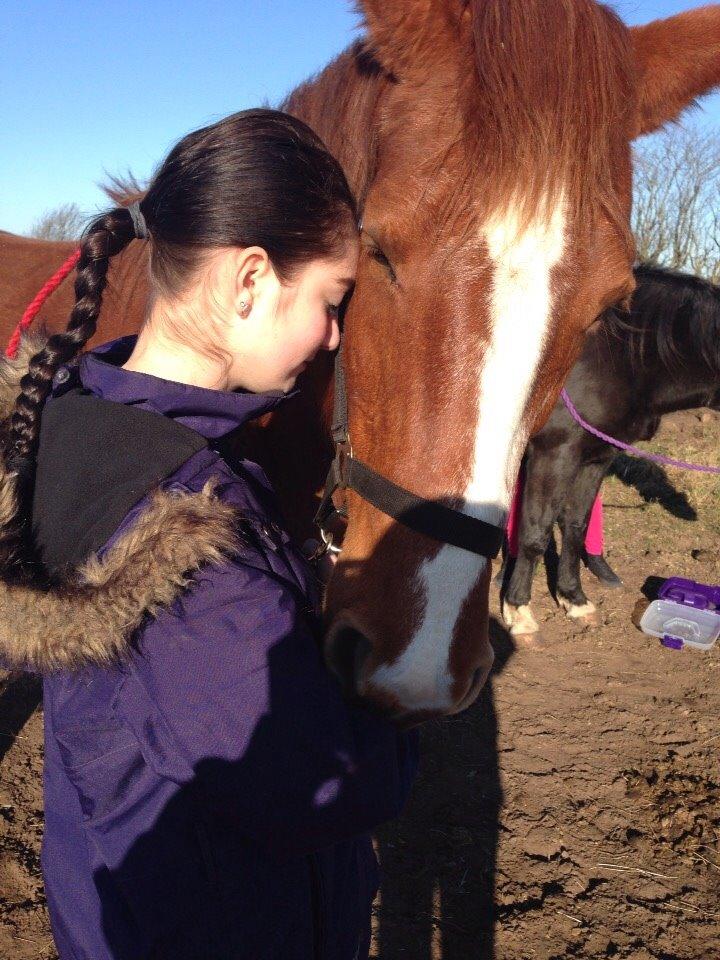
(327, 539)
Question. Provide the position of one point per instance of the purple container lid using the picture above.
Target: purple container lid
(701, 596)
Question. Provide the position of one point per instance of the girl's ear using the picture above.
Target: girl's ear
(251, 272)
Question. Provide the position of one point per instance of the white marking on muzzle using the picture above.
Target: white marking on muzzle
(522, 306)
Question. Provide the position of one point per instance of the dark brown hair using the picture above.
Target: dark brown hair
(258, 177)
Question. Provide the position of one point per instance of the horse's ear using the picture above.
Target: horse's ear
(678, 60)
(411, 37)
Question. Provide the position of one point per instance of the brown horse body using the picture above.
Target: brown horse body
(26, 264)
(489, 144)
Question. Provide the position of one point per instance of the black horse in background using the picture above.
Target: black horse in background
(662, 357)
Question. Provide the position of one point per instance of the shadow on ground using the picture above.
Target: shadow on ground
(439, 860)
(653, 485)
(20, 694)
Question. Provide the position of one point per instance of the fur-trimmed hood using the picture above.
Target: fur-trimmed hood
(13, 369)
(91, 613)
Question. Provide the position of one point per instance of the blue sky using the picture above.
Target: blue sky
(94, 87)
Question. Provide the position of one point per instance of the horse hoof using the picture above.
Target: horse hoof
(580, 612)
(520, 621)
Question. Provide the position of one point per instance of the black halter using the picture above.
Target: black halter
(428, 517)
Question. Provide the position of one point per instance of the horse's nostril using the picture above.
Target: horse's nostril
(346, 649)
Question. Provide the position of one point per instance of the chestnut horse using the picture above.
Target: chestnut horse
(489, 144)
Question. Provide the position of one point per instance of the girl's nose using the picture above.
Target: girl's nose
(332, 340)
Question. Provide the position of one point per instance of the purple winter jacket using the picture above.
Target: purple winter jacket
(208, 792)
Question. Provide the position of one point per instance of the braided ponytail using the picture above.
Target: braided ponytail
(106, 237)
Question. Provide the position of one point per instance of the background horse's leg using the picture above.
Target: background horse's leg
(546, 479)
(573, 523)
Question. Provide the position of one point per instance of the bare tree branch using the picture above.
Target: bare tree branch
(62, 223)
(676, 216)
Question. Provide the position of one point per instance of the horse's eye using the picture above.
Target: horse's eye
(377, 254)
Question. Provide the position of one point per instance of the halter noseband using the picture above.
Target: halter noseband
(428, 517)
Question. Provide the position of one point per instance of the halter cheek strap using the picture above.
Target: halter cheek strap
(428, 517)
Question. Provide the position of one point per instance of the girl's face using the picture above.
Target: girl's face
(278, 328)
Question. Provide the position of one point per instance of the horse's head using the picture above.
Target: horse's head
(496, 227)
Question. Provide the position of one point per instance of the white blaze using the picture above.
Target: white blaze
(522, 304)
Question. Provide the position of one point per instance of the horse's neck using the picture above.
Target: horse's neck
(686, 388)
(632, 384)
(658, 387)
(340, 105)
(25, 265)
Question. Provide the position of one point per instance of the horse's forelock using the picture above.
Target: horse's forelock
(555, 82)
(537, 91)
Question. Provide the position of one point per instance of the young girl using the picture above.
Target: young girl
(207, 791)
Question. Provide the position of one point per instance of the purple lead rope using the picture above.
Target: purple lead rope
(655, 457)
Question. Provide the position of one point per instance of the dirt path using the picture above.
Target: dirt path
(24, 929)
(574, 811)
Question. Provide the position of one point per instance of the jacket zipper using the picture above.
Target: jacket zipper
(317, 893)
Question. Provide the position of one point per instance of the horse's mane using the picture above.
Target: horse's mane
(675, 316)
(340, 104)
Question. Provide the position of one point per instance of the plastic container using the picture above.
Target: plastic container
(690, 593)
(680, 625)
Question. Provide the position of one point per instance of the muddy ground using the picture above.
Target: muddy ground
(574, 811)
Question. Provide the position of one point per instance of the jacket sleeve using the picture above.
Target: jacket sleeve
(229, 692)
